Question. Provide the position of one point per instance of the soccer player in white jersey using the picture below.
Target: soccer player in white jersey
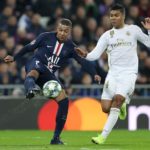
(120, 43)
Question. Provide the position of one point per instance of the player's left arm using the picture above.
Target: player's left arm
(88, 66)
(26, 49)
(142, 37)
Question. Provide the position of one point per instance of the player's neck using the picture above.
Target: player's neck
(120, 27)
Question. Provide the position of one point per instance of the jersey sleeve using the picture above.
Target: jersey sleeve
(99, 49)
(142, 37)
(30, 47)
(87, 66)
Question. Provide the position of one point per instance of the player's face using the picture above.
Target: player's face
(63, 32)
(117, 18)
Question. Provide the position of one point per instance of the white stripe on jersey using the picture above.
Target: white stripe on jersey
(58, 48)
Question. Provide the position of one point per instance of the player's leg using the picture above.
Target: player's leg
(106, 103)
(30, 84)
(124, 87)
(111, 120)
(63, 103)
(33, 68)
(117, 102)
(106, 106)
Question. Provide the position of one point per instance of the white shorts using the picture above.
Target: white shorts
(122, 84)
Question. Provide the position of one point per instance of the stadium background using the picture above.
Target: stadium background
(23, 20)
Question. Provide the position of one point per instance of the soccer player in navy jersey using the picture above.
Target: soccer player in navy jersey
(52, 50)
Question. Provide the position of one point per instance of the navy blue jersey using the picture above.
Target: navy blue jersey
(53, 54)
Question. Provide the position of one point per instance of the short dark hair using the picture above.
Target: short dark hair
(119, 7)
(66, 22)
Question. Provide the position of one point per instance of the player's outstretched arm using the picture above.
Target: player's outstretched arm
(87, 66)
(81, 52)
(142, 37)
(26, 49)
(146, 23)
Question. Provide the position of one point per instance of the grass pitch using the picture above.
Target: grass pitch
(76, 140)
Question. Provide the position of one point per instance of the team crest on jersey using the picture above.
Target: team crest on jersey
(112, 33)
(128, 33)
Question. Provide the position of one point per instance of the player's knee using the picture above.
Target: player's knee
(118, 101)
(33, 73)
(61, 96)
(105, 109)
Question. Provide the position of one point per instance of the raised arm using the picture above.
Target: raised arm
(142, 37)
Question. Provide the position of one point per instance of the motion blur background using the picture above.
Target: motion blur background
(21, 21)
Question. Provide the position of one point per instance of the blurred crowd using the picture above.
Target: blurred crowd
(21, 21)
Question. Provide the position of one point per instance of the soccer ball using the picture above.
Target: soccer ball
(51, 89)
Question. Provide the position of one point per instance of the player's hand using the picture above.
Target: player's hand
(81, 52)
(146, 23)
(97, 78)
(8, 59)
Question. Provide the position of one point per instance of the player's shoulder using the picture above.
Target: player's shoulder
(47, 34)
(107, 34)
(132, 27)
(70, 43)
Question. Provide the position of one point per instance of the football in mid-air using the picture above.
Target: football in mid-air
(51, 89)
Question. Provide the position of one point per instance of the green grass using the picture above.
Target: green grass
(76, 140)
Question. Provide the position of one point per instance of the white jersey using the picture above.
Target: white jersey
(121, 47)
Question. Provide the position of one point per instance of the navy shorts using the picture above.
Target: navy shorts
(45, 74)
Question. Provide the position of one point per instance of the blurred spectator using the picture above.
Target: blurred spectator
(91, 26)
(58, 13)
(11, 3)
(25, 20)
(104, 6)
(80, 16)
(46, 7)
(3, 53)
(99, 31)
(87, 81)
(3, 37)
(127, 4)
(91, 8)
(65, 76)
(105, 22)
(10, 45)
(68, 9)
(35, 28)
(22, 37)
(134, 14)
(77, 35)
(21, 5)
(144, 8)
(6, 13)
(12, 25)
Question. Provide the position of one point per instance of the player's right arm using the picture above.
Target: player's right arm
(97, 51)
(142, 37)
(26, 49)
